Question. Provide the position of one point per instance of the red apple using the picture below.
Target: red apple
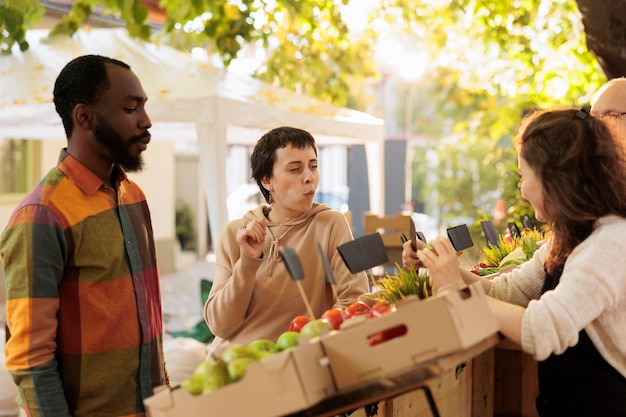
(357, 308)
(382, 307)
(334, 317)
(298, 323)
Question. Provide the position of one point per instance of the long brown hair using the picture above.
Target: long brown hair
(581, 165)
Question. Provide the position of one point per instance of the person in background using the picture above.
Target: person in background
(566, 306)
(610, 100)
(83, 293)
(253, 296)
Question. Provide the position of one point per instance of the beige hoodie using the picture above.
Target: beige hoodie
(256, 298)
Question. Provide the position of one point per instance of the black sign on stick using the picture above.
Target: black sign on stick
(490, 233)
(328, 271)
(294, 267)
(514, 230)
(527, 222)
(460, 237)
(364, 252)
(293, 264)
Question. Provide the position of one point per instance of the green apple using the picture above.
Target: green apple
(237, 368)
(316, 327)
(263, 347)
(237, 351)
(430, 247)
(287, 340)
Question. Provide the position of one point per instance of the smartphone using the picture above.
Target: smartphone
(460, 237)
(413, 234)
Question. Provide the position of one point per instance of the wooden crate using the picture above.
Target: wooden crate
(390, 229)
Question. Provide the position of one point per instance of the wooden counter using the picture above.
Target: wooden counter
(499, 382)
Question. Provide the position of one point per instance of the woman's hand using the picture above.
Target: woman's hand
(442, 262)
(409, 256)
(251, 238)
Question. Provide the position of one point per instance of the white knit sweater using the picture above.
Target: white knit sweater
(591, 295)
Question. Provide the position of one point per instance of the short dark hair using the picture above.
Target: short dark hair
(81, 81)
(264, 154)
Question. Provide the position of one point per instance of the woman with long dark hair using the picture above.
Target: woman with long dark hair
(567, 305)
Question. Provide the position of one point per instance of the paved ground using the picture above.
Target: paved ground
(182, 304)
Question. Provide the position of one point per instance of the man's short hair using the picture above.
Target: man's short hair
(81, 81)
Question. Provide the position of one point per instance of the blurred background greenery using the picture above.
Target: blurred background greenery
(453, 77)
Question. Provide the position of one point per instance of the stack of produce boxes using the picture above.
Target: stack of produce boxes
(417, 332)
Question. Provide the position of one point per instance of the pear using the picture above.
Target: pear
(214, 374)
(237, 368)
(193, 384)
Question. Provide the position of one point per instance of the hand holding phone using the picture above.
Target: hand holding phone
(413, 234)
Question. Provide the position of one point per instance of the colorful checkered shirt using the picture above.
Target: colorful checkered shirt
(83, 296)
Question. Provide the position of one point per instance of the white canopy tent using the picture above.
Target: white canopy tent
(189, 100)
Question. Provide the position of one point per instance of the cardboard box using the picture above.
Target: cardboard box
(448, 322)
(279, 384)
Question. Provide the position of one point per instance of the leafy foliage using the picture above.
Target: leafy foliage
(132, 12)
(16, 17)
(185, 225)
(488, 62)
(510, 251)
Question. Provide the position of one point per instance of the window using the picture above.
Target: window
(18, 168)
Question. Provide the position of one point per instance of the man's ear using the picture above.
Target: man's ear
(83, 116)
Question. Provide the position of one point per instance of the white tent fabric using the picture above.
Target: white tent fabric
(189, 100)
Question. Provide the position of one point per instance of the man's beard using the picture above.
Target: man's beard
(119, 149)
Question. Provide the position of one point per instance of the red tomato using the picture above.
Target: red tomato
(334, 317)
(298, 323)
(382, 307)
(357, 308)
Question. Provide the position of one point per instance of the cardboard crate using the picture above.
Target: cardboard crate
(445, 323)
(279, 384)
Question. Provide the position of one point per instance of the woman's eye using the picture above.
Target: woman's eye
(130, 109)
